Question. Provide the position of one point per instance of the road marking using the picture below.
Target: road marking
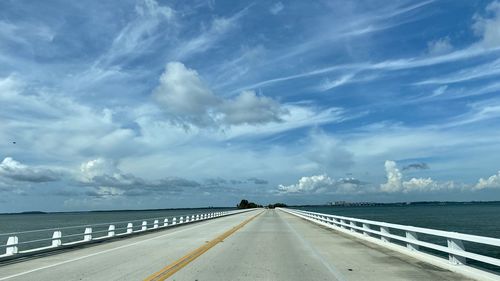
(99, 253)
(172, 268)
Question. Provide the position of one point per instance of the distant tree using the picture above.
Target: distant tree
(276, 205)
(244, 204)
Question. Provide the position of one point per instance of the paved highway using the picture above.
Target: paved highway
(257, 245)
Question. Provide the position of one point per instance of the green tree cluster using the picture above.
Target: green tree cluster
(276, 205)
(244, 204)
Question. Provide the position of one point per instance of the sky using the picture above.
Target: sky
(139, 104)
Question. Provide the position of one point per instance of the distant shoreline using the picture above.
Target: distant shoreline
(416, 203)
(112, 211)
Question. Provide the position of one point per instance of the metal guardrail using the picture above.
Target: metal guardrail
(385, 232)
(90, 236)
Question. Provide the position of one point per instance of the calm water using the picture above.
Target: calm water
(26, 222)
(477, 219)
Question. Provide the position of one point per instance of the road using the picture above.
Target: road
(272, 246)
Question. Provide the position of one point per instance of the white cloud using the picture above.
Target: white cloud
(185, 96)
(330, 84)
(487, 27)
(481, 71)
(491, 182)
(276, 8)
(309, 184)
(97, 167)
(54, 127)
(188, 100)
(14, 170)
(208, 37)
(141, 32)
(106, 178)
(22, 33)
(440, 46)
(322, 184)
(298, 116)
(394, 177)
(480, 111)
(395, 182)
(249, 108)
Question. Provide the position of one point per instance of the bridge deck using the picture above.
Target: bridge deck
(273, 246)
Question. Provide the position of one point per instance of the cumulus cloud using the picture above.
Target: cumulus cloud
(249, 108)
(185, 96)
(188, 100)
(394, 177)
(322, 184)
(491, 182)
(395, 182)
(487, 26)
(14, 170)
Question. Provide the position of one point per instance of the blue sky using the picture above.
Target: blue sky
(152, 104)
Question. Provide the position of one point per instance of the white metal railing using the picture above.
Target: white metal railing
(90, 235)
(367, 229)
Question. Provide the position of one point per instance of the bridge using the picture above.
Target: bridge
(257, 244)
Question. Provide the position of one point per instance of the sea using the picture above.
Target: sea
(39, 226)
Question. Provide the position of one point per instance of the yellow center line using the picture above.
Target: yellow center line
(172, 268)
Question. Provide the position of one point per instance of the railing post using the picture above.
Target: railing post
(384, 230)
(12, 245)
(331, 220)
(174, 221)
(111, 230)
(130, 227)
(366, 227)
(353, 224)
(342, 224)
(192, 218)
(187, 218)
(412, 236)
(155, 224)
(181, 219)
(87, 234)
(56, 238)
(144, 226)
(165, 222)
(457, 245)
(197, 217)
